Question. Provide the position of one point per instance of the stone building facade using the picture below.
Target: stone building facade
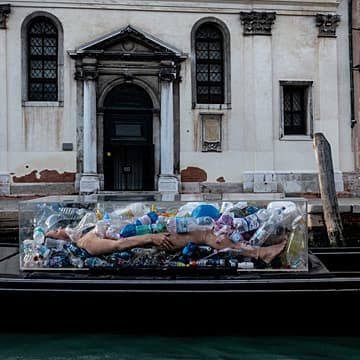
(355, 57)
(173, 96)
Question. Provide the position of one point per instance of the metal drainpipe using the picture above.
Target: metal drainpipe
(352, 104)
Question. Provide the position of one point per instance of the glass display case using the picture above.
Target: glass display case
(114, 233)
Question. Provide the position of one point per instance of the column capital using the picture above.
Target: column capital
(257, 23)
(5, 10)
(86, 69)
(167, 71)
(327, 24)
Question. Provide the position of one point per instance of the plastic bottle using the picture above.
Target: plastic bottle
(112, 233)
(252, 221)
(162, 219)
(186, 224)
(132, 210)
(265, 230)
(132, 229)
(98, 214)
(187, 252)
(55, 243)
(149, 218)
(224, 225)
(118, 222)
(226, 206)
(288, 215)
(88, 221)
(236, 236)
(187, 209)
(39, 235)
(102, 225)
(295, 252)
(245, 265)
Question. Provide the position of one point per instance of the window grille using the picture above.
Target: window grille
(42, 37)
(294, 110)
(209, 46)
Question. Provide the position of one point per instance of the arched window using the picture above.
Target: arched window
(42, 60)
(209, 65)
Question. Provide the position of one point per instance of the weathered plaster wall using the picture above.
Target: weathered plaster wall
(250, 139)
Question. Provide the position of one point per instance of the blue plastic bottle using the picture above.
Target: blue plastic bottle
(149, 218)
(132, 229)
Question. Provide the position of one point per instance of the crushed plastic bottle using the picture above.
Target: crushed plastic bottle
(266, 229)
(149, 218)
(188, 224)
(133, 210)
(39, 235)
(132, 229)
(102, 226)
(252, 221)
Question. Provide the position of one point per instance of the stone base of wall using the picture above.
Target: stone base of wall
(287, 182)
(4, 184)
(42, 189)
(347, 184)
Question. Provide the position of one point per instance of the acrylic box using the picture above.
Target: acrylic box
(204, 236)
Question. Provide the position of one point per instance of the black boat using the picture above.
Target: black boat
(321, 300)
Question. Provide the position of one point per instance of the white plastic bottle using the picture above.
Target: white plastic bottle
(102, 225)
(265, 230)
(187, 224)
(262, 234)
(252, 221)
(39, 235)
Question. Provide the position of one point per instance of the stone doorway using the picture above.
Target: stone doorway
(128, 140)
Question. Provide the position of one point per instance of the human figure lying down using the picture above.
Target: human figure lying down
(97, 246)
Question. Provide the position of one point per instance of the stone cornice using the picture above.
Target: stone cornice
(4, 13)
(282, 7)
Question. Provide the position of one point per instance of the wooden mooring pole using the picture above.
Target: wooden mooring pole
(329, 201)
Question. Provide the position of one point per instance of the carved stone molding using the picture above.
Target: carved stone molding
(211, 146)
(257, 23)
(4, 13)
(167, 71)
(327, 24)
(86, 69)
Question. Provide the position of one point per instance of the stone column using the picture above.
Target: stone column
(89, 181)
(168, 182)
(4, 171)
(258, 58)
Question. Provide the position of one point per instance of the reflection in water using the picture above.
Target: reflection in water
(90, 346)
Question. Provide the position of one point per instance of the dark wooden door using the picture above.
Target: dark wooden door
(128, 140)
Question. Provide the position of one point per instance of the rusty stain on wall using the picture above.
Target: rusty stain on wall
(220, 179)
(193, 174)
(45, 176)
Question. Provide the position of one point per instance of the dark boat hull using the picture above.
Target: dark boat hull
(299, 305)
(320, 301)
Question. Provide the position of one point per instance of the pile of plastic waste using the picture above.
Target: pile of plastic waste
(240, 222)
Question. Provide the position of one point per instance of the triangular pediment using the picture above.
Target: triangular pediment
(128, 40)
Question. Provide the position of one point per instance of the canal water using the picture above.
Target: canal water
(100, 346)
